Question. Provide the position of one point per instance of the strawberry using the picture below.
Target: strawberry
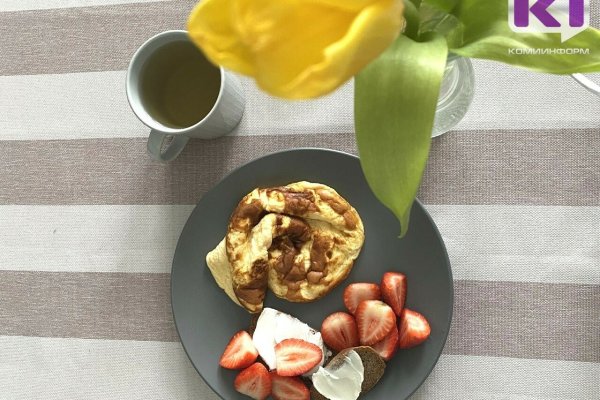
(240, 352)
(339, 331)
(254, 382)
(387, 347)
(295, 357)
(413, 329)
(375, 320)
(288, 388)
(393, 290)
(357, 292)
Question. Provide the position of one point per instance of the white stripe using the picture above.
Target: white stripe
(94, 105)
(521, 243)
(500, 378)
(49, 368)
(90, 238)
(66, 106)
(505, 243)
(21, 5)
(52, 369)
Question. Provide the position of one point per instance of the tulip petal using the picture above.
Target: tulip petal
(295, 48)
(312, 55)
(210, 26)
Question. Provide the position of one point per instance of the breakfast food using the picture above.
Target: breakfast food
(393, 290)
(288, 388)
(388, 346)
(342, 378)
(339, 331)
(295, 357)
(413, 329)
(287, 359)
(240, 353)
(357, 292)
(275, 326)
(373, 369)
(375, 320)
(298, 240)
(254, 382)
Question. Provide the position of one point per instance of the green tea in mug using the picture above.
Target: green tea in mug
(178, 85)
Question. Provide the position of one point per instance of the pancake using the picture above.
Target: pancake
(298, 240)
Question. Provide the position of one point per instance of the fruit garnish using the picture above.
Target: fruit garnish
(254, 382)
(275, 326)
(240, 353)
(339, 331)
(413, 329)
(288, 388)
(393, 290)
(375, 320)
(387, 347)
(295, 357)
(357, 292)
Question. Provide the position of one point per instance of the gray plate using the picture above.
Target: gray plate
(206, 318)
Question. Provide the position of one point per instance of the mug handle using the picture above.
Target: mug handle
(156, 142)
(587, 83)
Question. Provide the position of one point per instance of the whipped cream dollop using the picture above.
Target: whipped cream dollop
(342, 382)
(274, 326)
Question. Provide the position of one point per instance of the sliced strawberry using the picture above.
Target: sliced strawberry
(254, 382)
(357, 292)
(375, 320)
(240, 352)
(393, 290)
(288, 388)
(413, 329)
(339, 331)
(387, 347)
(296, 357)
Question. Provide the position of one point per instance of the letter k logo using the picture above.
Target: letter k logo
(539, 9)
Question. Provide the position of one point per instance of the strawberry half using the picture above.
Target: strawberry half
(339, 331)
(375, 320)
(413, 329)
(393, 290)
(387, 347)
(288, 388)
(357, 292)
(296, 357)
(240, 352)
(254, 382)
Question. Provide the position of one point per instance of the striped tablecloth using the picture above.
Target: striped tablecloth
(88, 223)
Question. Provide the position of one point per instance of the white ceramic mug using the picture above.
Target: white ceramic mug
(222, 118)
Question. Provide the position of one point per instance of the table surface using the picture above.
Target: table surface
(89, 223)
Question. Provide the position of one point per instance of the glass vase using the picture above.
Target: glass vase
(456, 94)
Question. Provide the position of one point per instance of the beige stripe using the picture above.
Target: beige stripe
(83, 39)
(545, 321)
(504, 167)
(86, 305)
(526, 320)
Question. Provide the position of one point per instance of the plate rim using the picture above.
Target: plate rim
(448, 323)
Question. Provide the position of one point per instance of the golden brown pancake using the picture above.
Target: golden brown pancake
(298, 240)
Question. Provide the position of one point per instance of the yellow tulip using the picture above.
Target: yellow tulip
(295, 48)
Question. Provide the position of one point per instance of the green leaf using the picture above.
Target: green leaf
(411, 16)
(485, 33)
(395, 98)
(435, 20)
(442, 5)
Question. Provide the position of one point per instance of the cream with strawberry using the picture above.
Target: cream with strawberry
(282, 348)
